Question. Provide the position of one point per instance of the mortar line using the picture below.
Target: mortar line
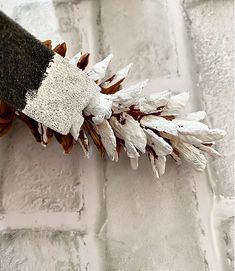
(57, 220)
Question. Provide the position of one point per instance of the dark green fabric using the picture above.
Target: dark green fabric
(23, 62)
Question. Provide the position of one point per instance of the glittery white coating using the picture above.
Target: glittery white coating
(63, 94)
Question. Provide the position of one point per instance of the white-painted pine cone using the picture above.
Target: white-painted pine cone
(116, 116)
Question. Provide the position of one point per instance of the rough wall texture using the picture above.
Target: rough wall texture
(66, 213)
(211, 28)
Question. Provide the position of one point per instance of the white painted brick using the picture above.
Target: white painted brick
(46, 250)
(152, 225)
(41, 187)
(139, 32)
(211, 28)
(58, 20)
(36, 179)
(45, 179)
(140, 224)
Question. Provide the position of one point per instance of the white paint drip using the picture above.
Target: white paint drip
(134, 163)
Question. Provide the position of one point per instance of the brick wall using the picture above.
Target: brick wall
(69, 213)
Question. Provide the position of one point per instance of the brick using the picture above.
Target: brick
(210, 25)
(58, 20)
(39, 250)
(41, 188)
(138, 32)
(38, 17)
(34, 178)
(151, 225)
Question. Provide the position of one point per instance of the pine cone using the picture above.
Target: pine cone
(138, 123)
